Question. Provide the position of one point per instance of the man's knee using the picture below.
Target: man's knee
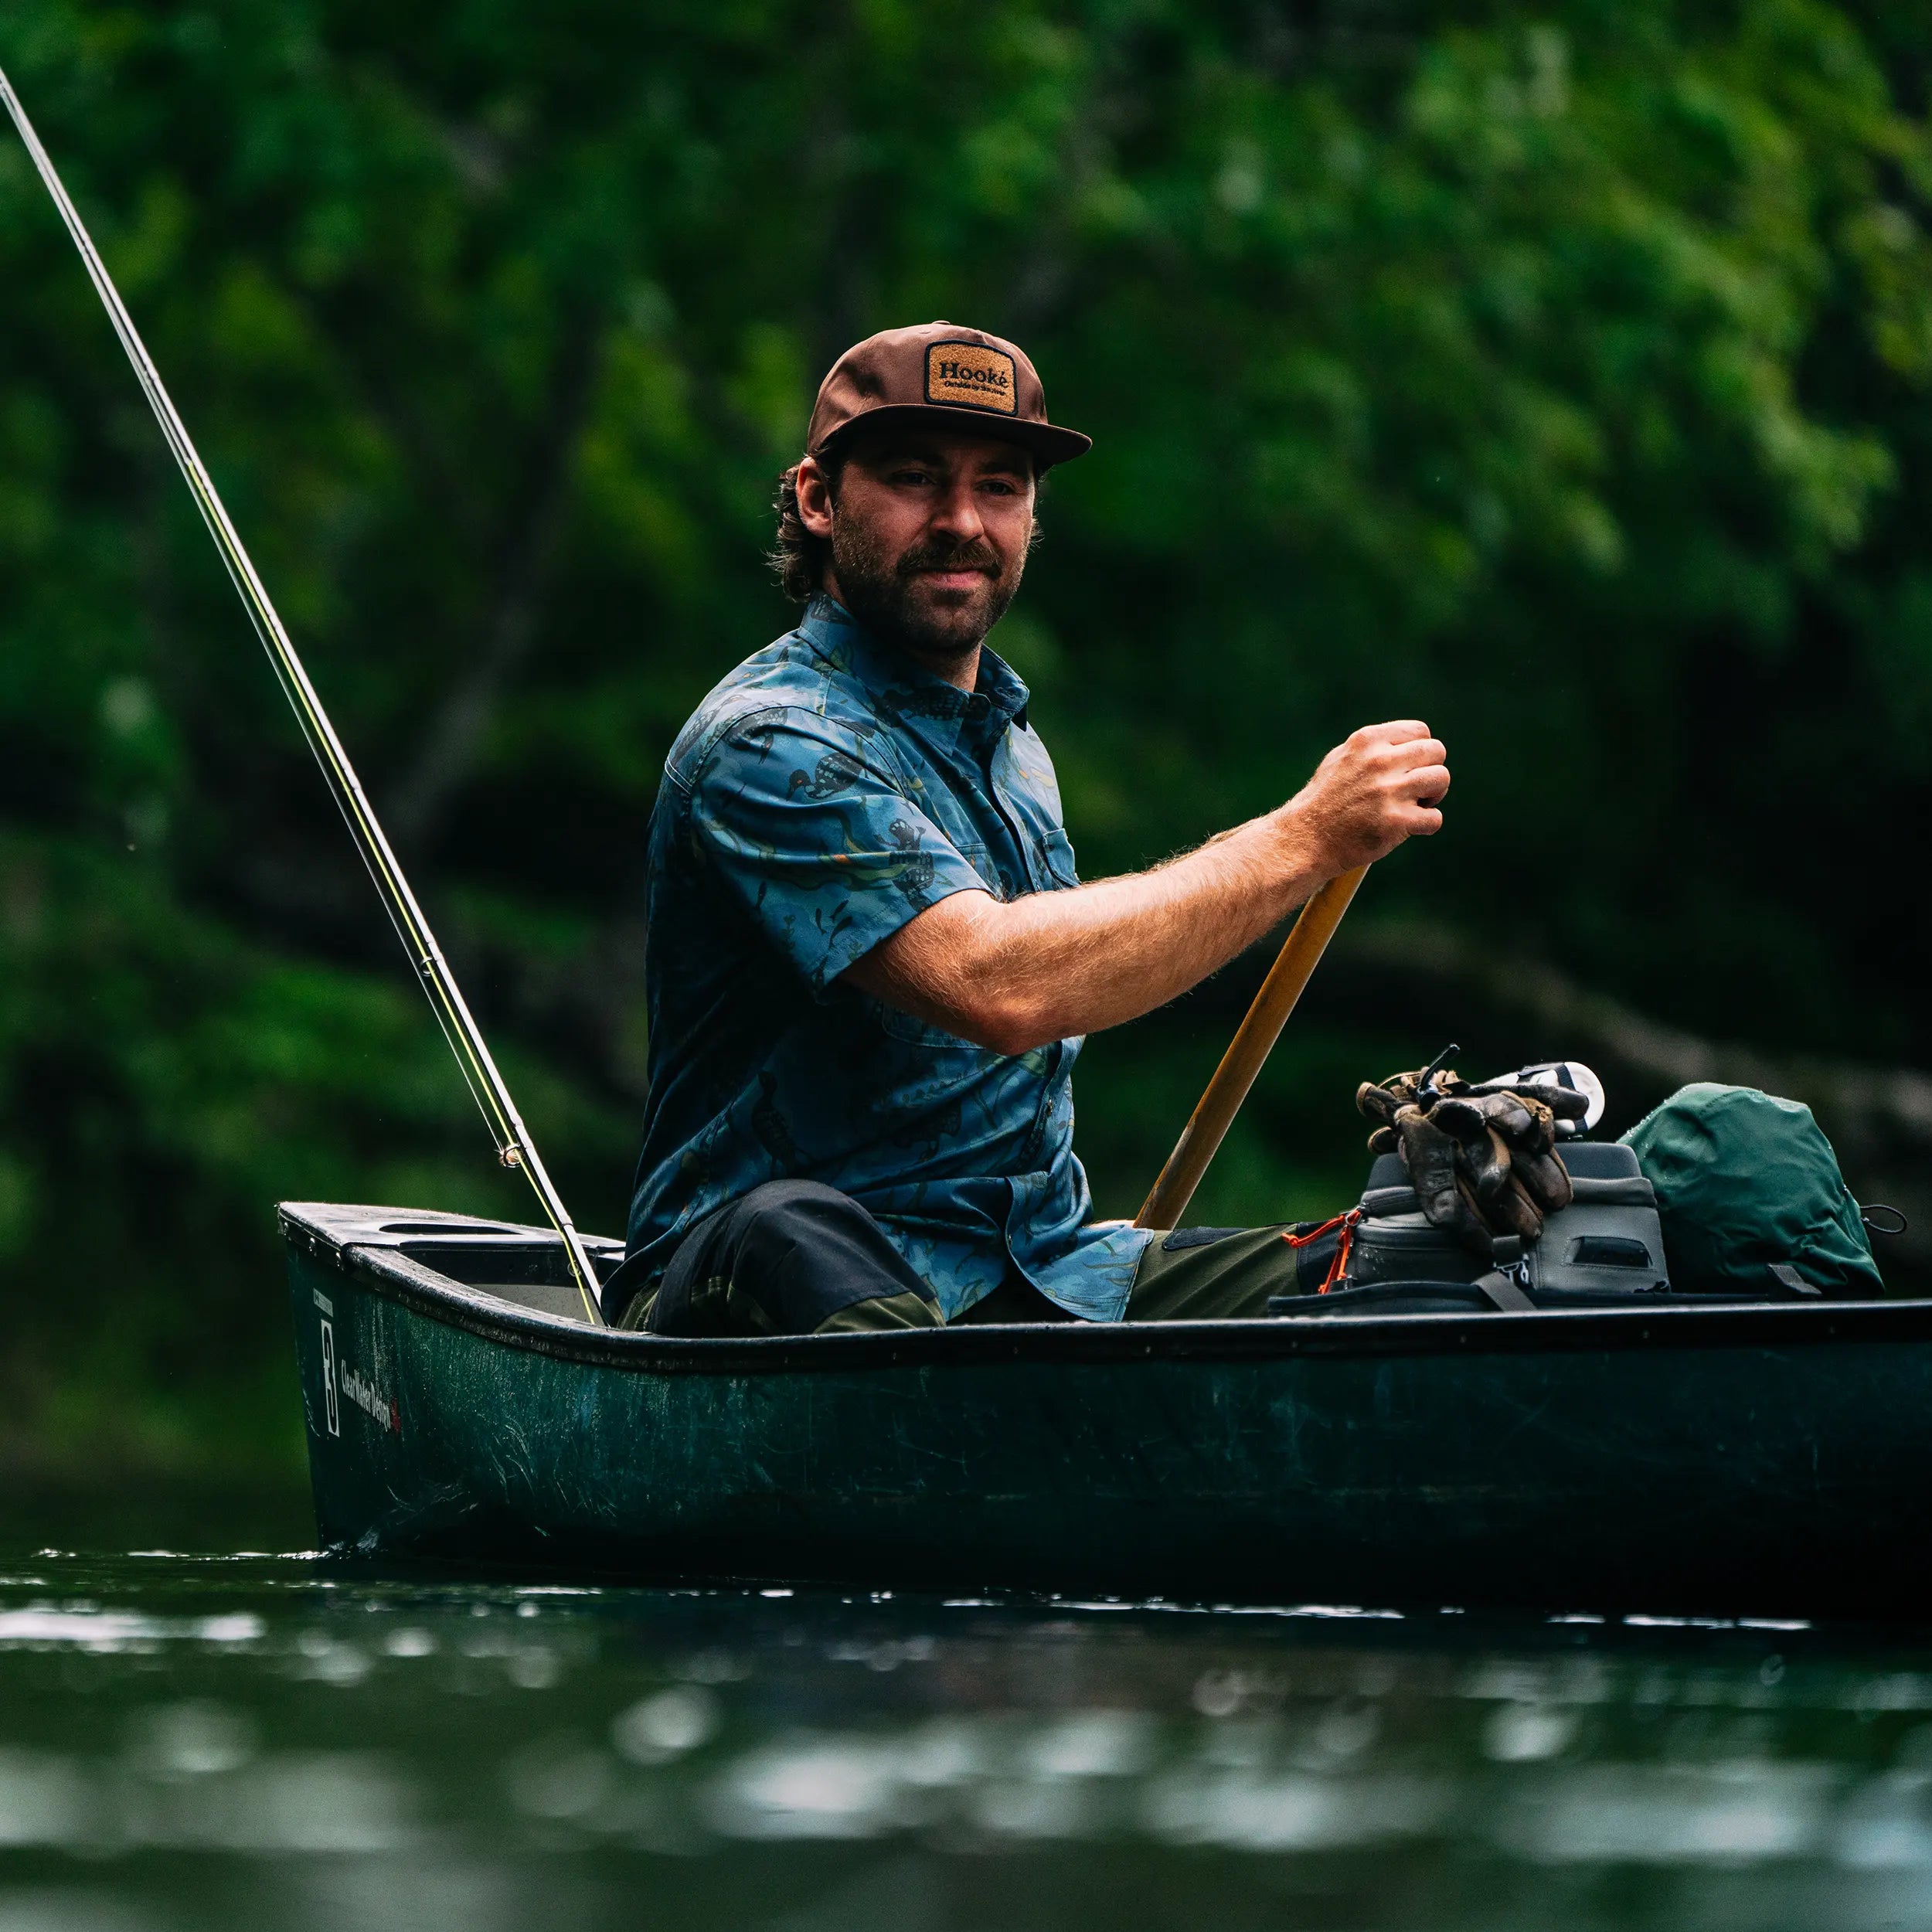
(791, 1257)
(768, 1227)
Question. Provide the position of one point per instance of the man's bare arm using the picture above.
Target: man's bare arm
(1011, 976)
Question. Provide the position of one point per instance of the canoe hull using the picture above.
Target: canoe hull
(1762, 1462)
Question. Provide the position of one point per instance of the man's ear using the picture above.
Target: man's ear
(814, 498)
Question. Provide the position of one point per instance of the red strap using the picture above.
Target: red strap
(1338, 1266)
(1315, 1234)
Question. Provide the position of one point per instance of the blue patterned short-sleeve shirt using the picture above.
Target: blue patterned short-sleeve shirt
(826, 792)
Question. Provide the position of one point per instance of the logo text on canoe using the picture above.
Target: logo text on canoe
(380, 1408)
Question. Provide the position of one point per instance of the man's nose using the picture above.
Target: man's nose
(957, 513)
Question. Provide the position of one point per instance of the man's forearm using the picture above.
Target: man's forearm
(1015, 975)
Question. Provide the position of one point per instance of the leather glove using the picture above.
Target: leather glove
(1482, 1159)
(1433, 1159)
(1429, 1153)
(1527, 1122)
(1520, 1129)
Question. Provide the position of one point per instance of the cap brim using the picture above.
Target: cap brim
(1049, 444)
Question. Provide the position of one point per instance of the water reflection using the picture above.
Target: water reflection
(273, 1742)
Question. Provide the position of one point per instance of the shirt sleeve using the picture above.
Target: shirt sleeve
(814, 832)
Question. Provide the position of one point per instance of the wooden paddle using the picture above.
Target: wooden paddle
(1252, 1043)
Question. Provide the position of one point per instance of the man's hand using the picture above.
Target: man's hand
(1382, 784)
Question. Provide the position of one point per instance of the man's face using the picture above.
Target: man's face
(929, 530)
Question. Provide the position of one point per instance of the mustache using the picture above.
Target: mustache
(976, 555)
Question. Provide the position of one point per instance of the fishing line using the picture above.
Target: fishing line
(513, 1144)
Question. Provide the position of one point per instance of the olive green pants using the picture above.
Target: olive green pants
(1195, 1274)
(1187, 1277)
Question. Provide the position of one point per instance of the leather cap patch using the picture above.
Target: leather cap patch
(971, 374)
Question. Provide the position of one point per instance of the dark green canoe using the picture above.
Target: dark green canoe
(1766, 1460)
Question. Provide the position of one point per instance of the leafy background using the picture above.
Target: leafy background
(1562, 375)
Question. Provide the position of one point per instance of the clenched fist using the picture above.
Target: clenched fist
(1382, 784)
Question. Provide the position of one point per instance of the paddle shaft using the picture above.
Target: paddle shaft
(514, 1145)
(1254, 1041)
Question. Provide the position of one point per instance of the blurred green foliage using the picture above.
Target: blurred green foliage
(1562, 375)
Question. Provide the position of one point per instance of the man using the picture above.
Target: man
(871, 961)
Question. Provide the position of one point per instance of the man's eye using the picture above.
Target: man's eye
(911, 476)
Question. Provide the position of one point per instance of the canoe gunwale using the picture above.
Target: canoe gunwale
(382, 1268)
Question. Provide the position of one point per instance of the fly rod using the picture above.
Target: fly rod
(514, 1146)
(1254, 1041)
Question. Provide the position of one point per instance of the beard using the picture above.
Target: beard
(894, 597)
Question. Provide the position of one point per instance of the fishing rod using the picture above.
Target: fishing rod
(514, 1147)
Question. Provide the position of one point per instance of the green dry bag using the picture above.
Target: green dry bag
(1744, 1180)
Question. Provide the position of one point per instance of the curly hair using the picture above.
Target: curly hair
(798, 557)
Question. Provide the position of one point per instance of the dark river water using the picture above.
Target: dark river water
(265, 1740)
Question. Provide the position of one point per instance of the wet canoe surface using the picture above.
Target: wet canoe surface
(1760, 1460)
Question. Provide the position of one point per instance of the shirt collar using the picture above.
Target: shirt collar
(909, 688)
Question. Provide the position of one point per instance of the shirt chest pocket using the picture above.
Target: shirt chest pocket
(995, 873)
(1045, 849)
(1056, 850)
(1034, 855)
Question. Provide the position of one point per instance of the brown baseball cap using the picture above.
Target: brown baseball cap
(940, 372)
